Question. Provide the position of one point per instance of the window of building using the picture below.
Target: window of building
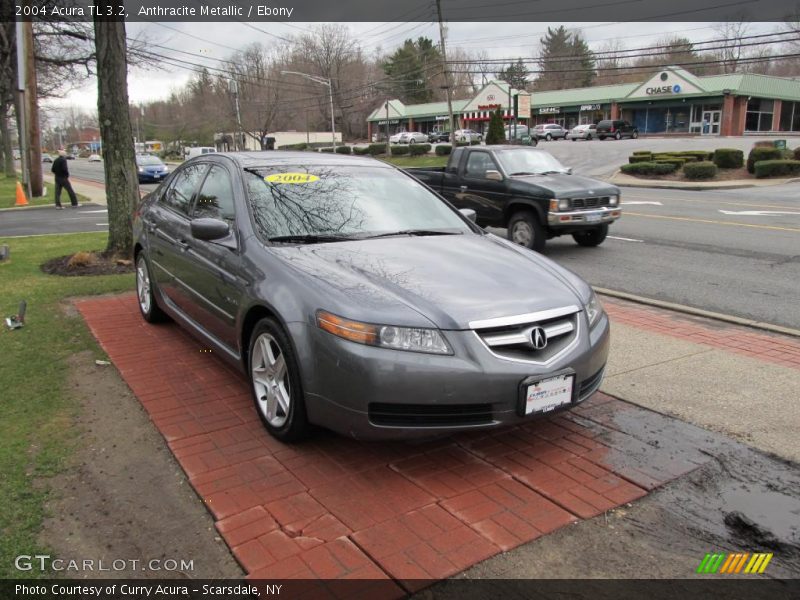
(790, 116)
(759, 115)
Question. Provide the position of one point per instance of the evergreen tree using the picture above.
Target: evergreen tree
(409, 68)
(516, 75)
(565, 60)
(496, 133)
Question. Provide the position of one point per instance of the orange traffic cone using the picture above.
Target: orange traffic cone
(21, 199)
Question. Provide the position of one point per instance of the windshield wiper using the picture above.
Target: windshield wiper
(522, 173)
(561, 172)
(311, 238)
(419, 232)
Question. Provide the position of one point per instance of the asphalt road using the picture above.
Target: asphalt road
(47, 220)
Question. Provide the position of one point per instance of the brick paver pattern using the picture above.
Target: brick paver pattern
(339, 508)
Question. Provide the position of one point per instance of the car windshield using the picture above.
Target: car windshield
(528, 161)
(323, 203)
(148, 160)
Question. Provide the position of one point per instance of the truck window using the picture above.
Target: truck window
(478, 163)
(455, 159)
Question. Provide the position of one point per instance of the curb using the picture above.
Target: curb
(37, 206)
(666, 185)
(699, 312)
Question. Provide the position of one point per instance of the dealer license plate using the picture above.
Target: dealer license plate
(548, 394)
(593, 218)
(156, 176)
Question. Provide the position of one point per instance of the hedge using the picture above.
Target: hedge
(462, 143)
(648, 168)
(678, 161)
(797, 153)
(700, 170)
(633, 158)
(640, 152)
(443, 149)
(400, 150)
(344, 150)
(328, 149)
(728, 158)
(361, 150)
(419, 149)
(774, 168)
(759, 153)
(375, 149)
(698, 154)
(301, 146)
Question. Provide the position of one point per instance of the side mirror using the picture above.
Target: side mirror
(209, 229)
(469, 213)
(493, 175)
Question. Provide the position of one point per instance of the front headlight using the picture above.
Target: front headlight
(412, 339)
(594, 310)
(140, 169)
(613, 200)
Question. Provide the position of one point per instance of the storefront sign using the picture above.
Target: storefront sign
(391, 122)
(589, 107)
(523, 106)
(548, 110)
(489, 106)
(442, 118)
(664, 89)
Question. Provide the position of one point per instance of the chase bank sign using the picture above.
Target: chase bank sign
(664, 89)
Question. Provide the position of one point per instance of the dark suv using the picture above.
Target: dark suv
(617, 129)
(438, 135)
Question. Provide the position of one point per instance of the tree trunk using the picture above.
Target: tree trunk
(119, 158)
(8, 152)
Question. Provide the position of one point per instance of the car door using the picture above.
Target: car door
(213, 270)
(168, 232)
(486, 197)
(451, 181)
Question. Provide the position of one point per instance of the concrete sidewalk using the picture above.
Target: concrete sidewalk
(94, 190)
(727, 378)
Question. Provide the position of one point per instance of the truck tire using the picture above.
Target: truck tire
(591, 237)
(525, 229)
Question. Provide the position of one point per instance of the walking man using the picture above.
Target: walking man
(61, 172)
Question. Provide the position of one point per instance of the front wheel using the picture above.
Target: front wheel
(618, 136)
(588, 137)
(524, 229)
(635, 134)
(591, 237)
(548, 137)
(275, 382)
(145, 293)
(602, 137)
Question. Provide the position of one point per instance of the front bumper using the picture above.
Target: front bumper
(583, 218)
(346, 384)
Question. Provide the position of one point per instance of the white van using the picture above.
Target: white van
(197, 151)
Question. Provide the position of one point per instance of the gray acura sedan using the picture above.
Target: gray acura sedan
(355, 298)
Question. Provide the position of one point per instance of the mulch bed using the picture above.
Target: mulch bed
(101, 265)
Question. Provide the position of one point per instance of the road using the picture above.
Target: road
(735, 251)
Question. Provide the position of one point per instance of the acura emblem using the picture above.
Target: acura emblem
(538, 338)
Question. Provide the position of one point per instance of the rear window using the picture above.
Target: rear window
(604, 124)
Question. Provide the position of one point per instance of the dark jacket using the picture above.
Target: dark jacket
(59, 167)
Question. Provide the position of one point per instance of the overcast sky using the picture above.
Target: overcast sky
(499, 40)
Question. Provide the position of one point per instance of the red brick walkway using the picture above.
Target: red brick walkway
(338, 508)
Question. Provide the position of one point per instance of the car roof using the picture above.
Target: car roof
(268, 158)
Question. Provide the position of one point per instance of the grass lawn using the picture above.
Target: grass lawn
(428, 160)
(8, 194)
(36, 432)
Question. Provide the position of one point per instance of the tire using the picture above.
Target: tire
(635, 135)
(601, 137)
(148, 305)
(618, 136)
(591, 237)
(574, 139)
(275, 383)
(548, 138)
(588, 137)
(524, 229)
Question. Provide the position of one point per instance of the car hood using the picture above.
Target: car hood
(561, 185)
(446, 281)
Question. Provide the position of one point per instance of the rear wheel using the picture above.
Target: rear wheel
(635, 134)
(145, 293)
(591, 237)
(548, 137)
(524, 229)
(275, 382)
(618, 136)
(602, 137)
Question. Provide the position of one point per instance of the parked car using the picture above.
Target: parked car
(330, 303)
(517, 131)
(527, 191)
(378, 136)
(616, 129)
(467, 135)
(47, 158)
(69, 156)
(398, 137)
(414, 137)
(150, 168)
(549, 131)
(438, 135)
(193, 151)
(582, 132)
(95, 158)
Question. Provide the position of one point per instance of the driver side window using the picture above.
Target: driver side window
(478, 163)
(179, 195)
(215, 199)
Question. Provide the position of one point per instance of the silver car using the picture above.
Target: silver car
(582, 132)
(357, 299)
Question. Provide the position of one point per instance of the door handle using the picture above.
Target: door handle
(183, 245)
(149, 225)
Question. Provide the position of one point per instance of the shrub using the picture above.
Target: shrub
(698, 154)
(648, 168)
(301, 146)
(797, 153)
(759, 153)
(344, 150)
(678, 161)
(640, 152)
(640, 158)
(462, 143)
(419, 149)
(496, 133)
(327, 149)
(774, 168)
(700, 170)
(400, 150)
(477, 143)
(728, 158)
(376, 149)
(443, 149)
(360, 150)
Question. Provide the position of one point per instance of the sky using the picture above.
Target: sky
(216, 41)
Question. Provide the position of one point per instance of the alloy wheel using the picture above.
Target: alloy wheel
(143, 285)
(271, 380)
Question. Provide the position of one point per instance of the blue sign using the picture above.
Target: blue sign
(676, 88)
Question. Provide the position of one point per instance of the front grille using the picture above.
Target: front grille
(515, 340)
(591, 384)
(429, 415)
(593, 202)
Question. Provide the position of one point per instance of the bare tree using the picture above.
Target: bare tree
(731, 50)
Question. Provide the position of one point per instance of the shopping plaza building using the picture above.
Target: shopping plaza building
(671, 101)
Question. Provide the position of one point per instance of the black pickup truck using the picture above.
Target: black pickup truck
(527, 191)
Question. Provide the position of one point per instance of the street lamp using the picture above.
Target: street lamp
(323, 81)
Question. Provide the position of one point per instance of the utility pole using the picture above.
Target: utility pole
(446, 72)
(388, 145)
(22, 112)
(234, 88)
(32, 113)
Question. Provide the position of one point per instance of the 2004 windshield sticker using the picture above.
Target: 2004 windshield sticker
(291, 178)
